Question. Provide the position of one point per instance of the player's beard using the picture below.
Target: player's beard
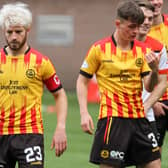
(15, 45)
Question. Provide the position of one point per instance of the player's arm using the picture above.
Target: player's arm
(157, 92)
(86, 119)
(53, 84)
(59, 141)
(152, 79)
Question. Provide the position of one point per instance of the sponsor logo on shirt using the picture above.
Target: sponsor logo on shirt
(117, 155)
(108, 61)
(85, 64)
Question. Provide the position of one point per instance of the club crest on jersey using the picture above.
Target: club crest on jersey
(105, 154)
(139, 62)
(30, 73)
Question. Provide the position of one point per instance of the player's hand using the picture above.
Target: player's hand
(87, 123)
(159, 109)
(146, 108)
(153, 60)
(59, 141)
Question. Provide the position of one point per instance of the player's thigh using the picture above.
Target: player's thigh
(111, 141)
(30, 153)
(144, 147)
(153, 164)
(6, 159)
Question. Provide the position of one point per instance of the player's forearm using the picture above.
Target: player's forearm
(156, 93)
(152, 80)
(61, 108)
(81, 86)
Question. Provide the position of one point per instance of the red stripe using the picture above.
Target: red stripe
(163, 71)
(14, 61)
(165, 19)
(165, 96)
(113, 48)
(103, 47)
(136, 105)
(11, 119)
(2, 119)
(130, 110)
(38, 59)
(119, 105)
(34, 121)
(105, 134)
(3, 56)
(109, 108)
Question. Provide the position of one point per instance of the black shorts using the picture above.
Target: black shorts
(124, 142)
(26, 149)
(154, 129)
(162, 125)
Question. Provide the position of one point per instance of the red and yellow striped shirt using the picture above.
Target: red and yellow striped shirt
(160, 32)
(119, 76)
(21, 88)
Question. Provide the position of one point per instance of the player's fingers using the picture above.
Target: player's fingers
(165, 106)
(52, 145)
(86, 128)
(92, 124)
(57, 150)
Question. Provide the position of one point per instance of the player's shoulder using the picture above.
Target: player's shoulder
(38, 54)
(139, 44)
(165, 18)
(103, 41)
(154, 44)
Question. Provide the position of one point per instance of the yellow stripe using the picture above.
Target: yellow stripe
(109, 129)
(108, 49)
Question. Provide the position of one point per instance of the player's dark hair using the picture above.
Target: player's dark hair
(129, 10)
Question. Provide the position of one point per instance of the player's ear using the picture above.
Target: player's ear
(117, 22)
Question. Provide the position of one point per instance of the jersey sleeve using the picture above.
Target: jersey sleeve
(50, 77)
(163, 62)
(91, 62)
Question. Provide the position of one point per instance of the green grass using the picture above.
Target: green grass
(79, 143)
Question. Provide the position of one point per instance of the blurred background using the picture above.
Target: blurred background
(65, 29)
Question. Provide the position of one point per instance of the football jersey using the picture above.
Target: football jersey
(119, 76)
(21, 87)
(160, 32)
(157, 47)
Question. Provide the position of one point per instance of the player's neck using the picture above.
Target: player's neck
(157, 20)
(121, 42)
(141, 37)
(21, 51)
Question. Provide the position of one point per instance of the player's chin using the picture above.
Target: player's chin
(14, 47)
